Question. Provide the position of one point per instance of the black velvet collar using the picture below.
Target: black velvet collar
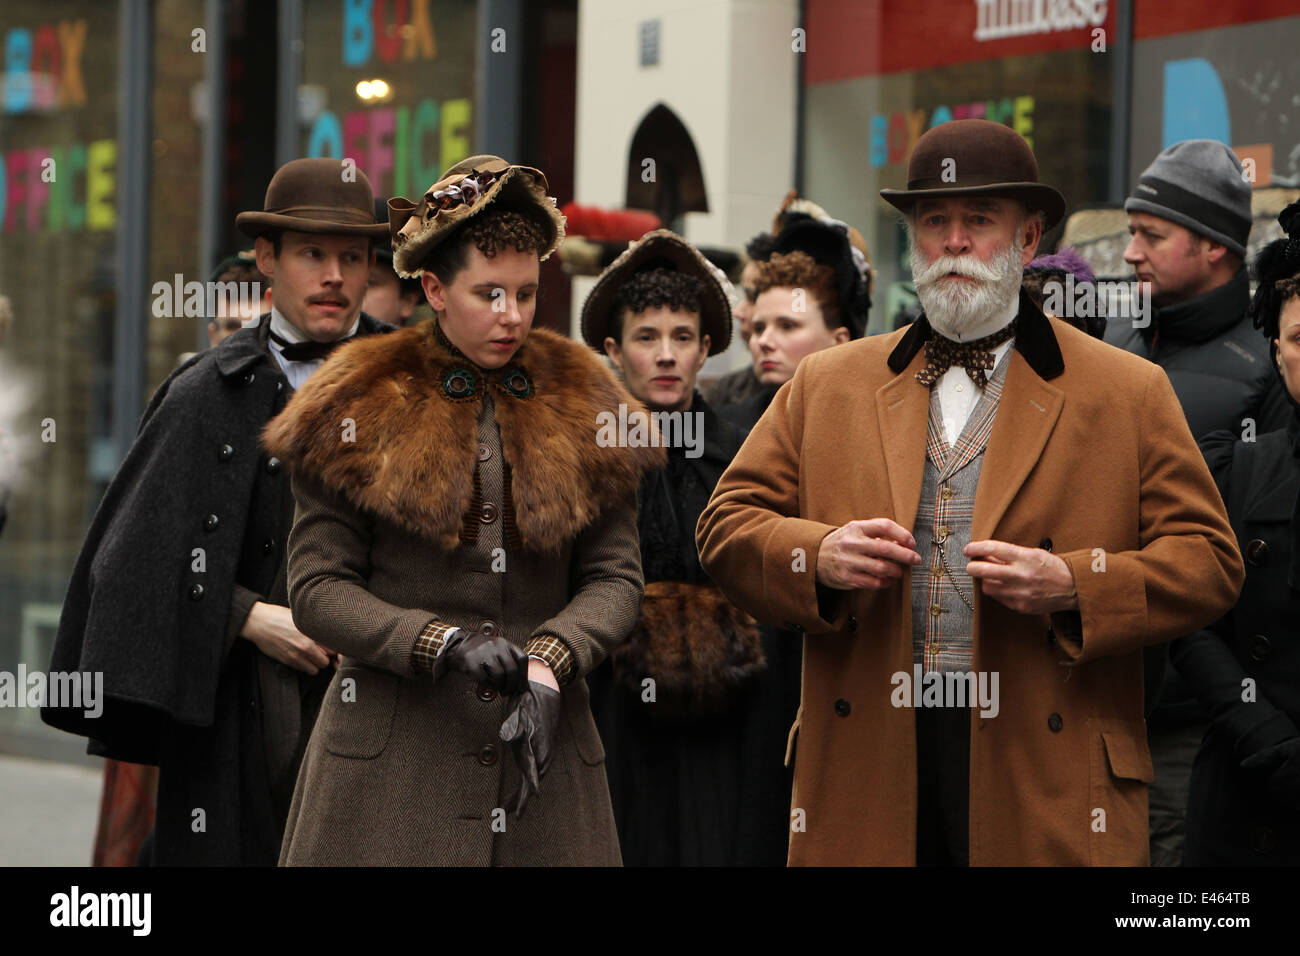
(1035, 341)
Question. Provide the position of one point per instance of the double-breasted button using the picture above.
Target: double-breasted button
(247, 378)
(273, 466)
(226, 453)
(1260, 648)
(489, 628)
(488, 514)
(210, 523)
(853, 622)
(1257, 552)
(1046, 544)
(488, 755)
(484, 452)
(1054, 723)
(268, 545)
(486, 693)
(196, 592)
(843, 708)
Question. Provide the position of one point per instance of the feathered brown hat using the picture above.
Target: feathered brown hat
(462, 193)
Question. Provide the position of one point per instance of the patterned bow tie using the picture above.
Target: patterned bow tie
(942, 354)
(307, 351)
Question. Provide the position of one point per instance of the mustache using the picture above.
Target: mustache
(967, 265)
(329, 297)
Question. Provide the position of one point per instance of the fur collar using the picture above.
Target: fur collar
(415, 449)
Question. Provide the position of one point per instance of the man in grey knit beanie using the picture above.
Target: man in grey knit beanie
(1189, 216)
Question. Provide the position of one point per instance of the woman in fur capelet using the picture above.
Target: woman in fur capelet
(470, 549)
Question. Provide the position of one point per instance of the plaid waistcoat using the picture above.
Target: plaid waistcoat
(942, 622)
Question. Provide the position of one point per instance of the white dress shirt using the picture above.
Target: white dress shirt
(297, 372)
(958, 393)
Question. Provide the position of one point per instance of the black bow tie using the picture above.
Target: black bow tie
(942, 354)
(307, 351)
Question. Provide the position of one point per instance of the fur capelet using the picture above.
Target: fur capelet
(412, 452)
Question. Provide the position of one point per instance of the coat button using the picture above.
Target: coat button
(196, 592)
(279, 386)
(1259, 648)
(1051, 636)
(226, 453)
(273, 466)
(488, 755)
(1054, 723)
(247, 378)
(1257, 552)
(488, 514)
(484, 452)
(843, 707)
(1046, 544)
(210, 523)
(486, 693)
(268, 545)
(946, 493)
(936, 610)
(489, 628)
(853, 622)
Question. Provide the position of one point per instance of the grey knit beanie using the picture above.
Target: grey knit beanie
(1198, 183)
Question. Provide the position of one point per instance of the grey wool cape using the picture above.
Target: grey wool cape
(496, 509)
(189, 534)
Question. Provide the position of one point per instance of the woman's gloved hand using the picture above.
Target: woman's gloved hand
(530, 731)
(492, 660)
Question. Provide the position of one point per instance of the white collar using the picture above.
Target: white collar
(291, 333)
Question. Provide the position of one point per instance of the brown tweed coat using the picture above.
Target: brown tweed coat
(495, 509)
(1090, 457)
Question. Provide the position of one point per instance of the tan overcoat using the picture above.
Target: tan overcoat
(1089, 456)
(495, 510)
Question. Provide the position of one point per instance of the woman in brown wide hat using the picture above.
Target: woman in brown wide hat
(471, 550)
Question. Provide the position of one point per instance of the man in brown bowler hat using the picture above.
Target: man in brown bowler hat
(977, 522)
(179, 595)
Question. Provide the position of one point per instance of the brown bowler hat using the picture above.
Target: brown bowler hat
(463, 192)
(987, 159)
(660, 249)
(312, 195)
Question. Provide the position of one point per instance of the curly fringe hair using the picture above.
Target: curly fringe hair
(656, 289)
(490, 231)
(800, 271)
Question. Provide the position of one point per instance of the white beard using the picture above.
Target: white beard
(953, 306)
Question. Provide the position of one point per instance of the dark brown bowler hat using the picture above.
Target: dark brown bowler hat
(659, 249)
(312, 195)
(988, 159)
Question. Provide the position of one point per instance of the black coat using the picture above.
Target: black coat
(191, 532)
(1220, 369)
(712, 791)
(1241, 816)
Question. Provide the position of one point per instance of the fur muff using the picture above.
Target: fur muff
(375, 425)
(696, 645)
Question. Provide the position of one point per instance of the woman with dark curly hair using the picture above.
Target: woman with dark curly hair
(469, 547)
(1244, 801)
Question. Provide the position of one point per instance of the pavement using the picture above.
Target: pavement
(48, 812)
